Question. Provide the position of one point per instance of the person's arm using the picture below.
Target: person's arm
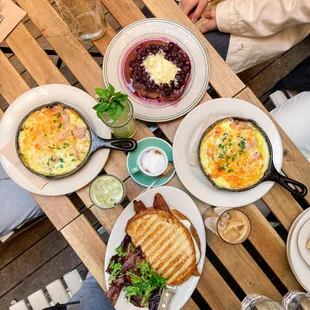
(260, 18)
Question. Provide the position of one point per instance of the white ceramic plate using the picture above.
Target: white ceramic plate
(303, 237)
(193, 179)
(298, 265)
(180, 201)
(151, 29)
(35, 97)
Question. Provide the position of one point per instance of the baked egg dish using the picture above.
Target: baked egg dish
(234, 154)
(53, 140)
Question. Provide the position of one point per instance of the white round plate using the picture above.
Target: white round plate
(298, 265)
(303, 237)
(151, 29)
(193, 179)
(176, 199)
(35, 97)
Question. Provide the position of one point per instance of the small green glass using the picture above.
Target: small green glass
(125, 125)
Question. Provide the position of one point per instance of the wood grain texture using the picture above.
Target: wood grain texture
(11, 83)
(41, 66)
(295, 165)
(222, 78)
(16, 246)
(283, 205)
(271, 247)
(60, 210)
(125, 11)
(243, 268)
(54, 269)
(69, 49)
(88, 245)
(211, 285)
(31, 260)
(190, 305)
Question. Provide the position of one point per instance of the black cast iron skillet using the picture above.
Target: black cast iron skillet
(126, 145)
(296, 188)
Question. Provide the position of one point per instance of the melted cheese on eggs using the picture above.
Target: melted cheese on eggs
(234, 154)
(160, 69)
(53, 141)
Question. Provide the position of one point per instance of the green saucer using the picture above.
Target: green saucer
(132, 159)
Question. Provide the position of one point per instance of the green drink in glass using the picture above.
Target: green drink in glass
(116, 111)
(106, 192)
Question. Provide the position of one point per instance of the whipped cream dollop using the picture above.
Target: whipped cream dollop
(160, 69)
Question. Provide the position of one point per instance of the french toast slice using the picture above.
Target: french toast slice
(166, 242)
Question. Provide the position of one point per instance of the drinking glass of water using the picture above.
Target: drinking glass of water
(259, 302)
(85, 18)
(296, 301)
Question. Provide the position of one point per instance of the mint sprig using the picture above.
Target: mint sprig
(110, 101)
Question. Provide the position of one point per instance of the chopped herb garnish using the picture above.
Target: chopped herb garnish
(241, 144)
(73, 159)
(54, 121)
(221, 155)
(230, 170)
(45, 135)
(227, 157)
(60, 125)
(221, 146)
(57, 115)
(61, 160)
(65, 145)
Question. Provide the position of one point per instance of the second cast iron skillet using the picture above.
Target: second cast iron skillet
(126, 145)
(296, 188)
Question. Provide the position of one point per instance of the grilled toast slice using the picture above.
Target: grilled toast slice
(166, 242)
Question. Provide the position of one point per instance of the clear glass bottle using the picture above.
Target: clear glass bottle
(259, 302)
(296, 301)
(125, 125)
(85, 18)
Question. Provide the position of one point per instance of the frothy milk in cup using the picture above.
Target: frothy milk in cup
(153, 161)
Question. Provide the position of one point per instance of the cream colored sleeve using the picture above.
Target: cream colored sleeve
(260, 18)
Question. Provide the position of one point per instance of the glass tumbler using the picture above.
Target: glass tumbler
(259, 302)
(296, 301)
(231, 225)
(125, 125)
(85, 18)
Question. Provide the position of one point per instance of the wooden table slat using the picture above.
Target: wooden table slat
(243, 268)
(124, 11)
(295, 164)
(271, 247)
(215, 290)
(87, 243)
(25, 47)
(12, 84)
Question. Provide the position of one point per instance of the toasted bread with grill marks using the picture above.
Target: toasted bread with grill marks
(167, 244)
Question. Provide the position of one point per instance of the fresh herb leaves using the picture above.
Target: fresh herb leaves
(241, 144)
(110, 101)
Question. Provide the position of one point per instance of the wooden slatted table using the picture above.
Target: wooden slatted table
(220, 288)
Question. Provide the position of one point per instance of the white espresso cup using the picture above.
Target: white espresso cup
(152, 161)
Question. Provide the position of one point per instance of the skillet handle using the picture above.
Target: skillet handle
(300, 189)
(126, 145)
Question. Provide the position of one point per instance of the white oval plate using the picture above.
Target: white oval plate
(193, 179)
(150, 29)
(303, 237)
(298, 265)
(35, 97)
(176, 199)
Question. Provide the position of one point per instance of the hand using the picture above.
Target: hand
(188, 5)
(209, 21)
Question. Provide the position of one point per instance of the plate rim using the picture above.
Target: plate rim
(213, 101)
(202, 238)
(207, 66)
(288, 245)
(298, 242)
(51, 88)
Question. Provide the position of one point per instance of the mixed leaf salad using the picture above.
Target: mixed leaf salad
(129, 270)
